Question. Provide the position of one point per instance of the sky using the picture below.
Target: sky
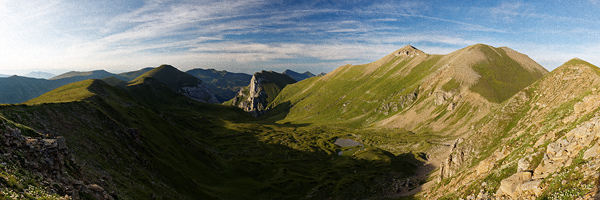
(251, 35)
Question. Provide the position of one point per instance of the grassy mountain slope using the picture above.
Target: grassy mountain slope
(134, 74)
(72, 92)
(544, 133)
(169, 76)
(410, 89)
(224, 84)
(145, 140)
(75, 76)
(178, 81)
(502, 75)
(17, 89)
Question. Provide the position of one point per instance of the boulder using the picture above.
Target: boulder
(98, 192)
(511, 186)
(523, 164)
(532, 187)
(593, 152)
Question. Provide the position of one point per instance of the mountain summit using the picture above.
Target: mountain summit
(409, 51)
(411, 89)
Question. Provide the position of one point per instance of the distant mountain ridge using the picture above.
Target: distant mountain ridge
(223, 84)
(39, 74)
(79, 76)
(18, 89)
(298, 76)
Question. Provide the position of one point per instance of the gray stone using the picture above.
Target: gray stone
(61, 142)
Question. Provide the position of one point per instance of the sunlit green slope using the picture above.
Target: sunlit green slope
(409, 83)
(546, 133)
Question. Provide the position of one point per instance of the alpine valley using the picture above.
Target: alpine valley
(481, 122)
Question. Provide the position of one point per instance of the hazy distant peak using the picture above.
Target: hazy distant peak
(298, 76)
(82, 73)
(40, 74)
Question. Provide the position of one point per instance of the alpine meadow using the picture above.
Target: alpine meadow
(318, 99)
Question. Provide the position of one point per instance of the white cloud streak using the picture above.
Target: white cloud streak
(238, 33)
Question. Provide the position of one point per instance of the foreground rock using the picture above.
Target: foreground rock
(37, 167)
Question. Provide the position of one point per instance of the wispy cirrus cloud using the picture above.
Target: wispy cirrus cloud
(263, 34)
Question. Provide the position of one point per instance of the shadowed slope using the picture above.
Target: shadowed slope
(147, 141)
(224, 84)
(179, 81)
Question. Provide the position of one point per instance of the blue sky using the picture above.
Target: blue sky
(252, 35)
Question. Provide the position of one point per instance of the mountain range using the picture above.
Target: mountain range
(481, 122)
(222, 84)
(43, 75)
(298, 76)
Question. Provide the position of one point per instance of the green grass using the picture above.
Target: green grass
(169, 76)
(451, 85)
(501, 77)
(67, 93)
(318, 100)
(151, 140)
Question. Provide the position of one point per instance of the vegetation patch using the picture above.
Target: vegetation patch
(451, 85)
(501, 77)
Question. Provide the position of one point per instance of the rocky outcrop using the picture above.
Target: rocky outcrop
(263, 88)
(540, 144)
(44, 159)
(199, 92)
(397, 103)
(559, 155)
(454, 162)
(562, 152)
(409, 51)
(253, 99)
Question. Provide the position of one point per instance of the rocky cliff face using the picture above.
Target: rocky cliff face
(254, 99)
(264, 87)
